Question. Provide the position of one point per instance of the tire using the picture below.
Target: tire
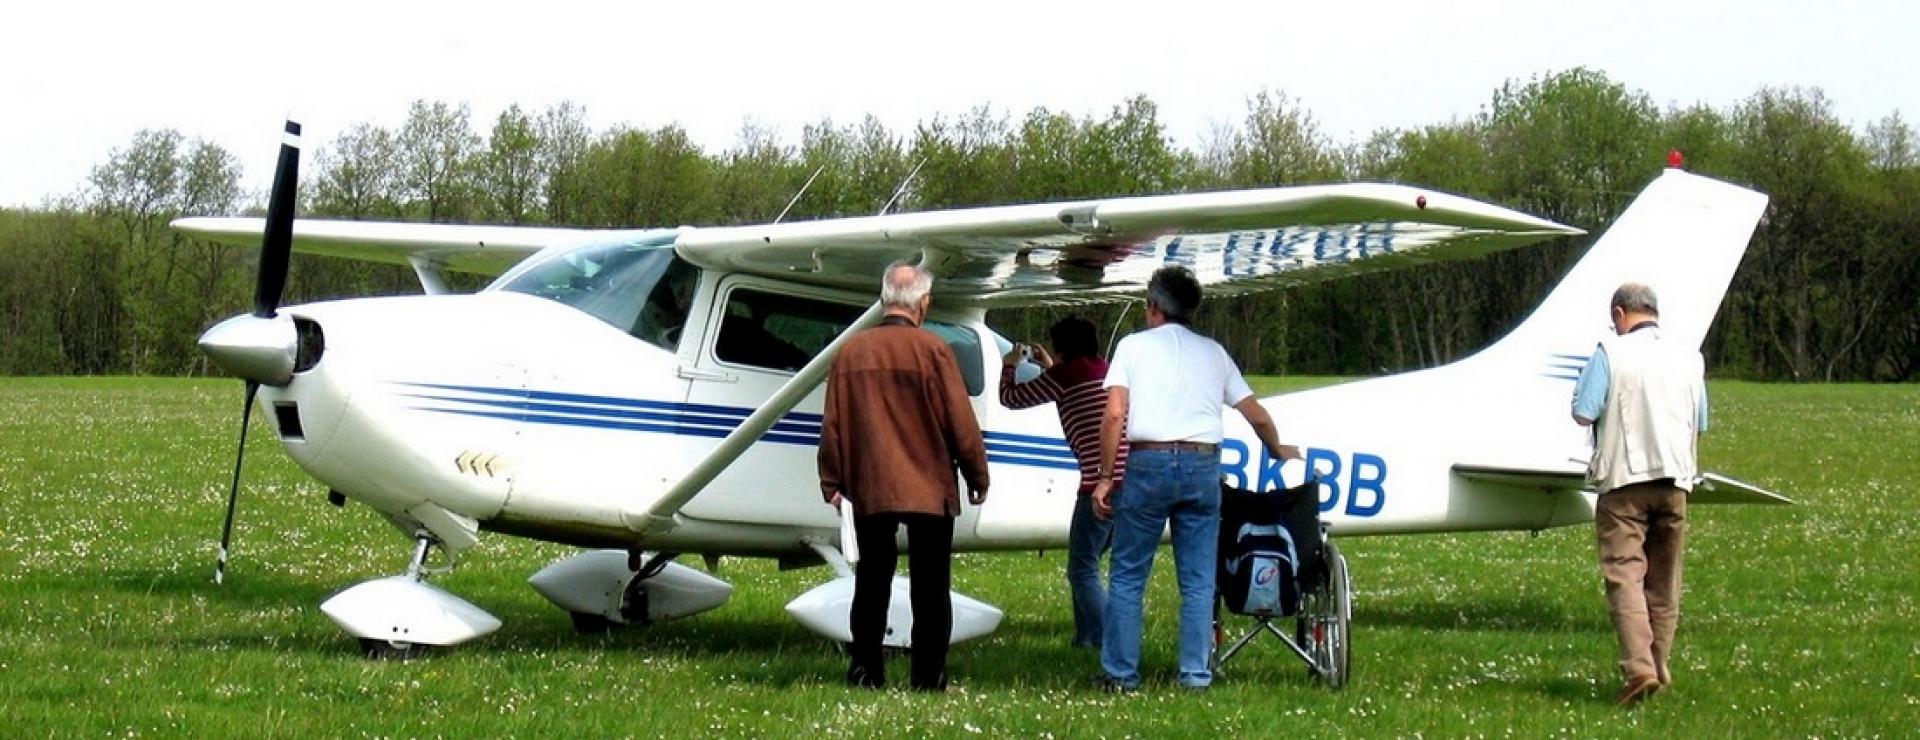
(390, 650)
(591, 624)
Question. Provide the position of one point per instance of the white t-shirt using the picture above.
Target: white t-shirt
(1176, 381)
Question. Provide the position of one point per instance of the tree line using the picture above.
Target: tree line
(95, 283)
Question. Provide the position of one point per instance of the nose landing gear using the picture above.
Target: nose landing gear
(400, 617)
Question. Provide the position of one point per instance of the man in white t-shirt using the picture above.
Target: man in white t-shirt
(1166, 387)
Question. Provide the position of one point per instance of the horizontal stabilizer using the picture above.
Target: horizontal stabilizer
(1713, 488)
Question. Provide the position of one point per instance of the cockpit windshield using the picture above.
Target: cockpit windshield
(641, 288)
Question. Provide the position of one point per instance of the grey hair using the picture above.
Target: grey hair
(905, 291)
(1636, 298)
(1174, 292)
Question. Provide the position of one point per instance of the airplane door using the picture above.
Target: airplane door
(604, 401)
(759, 333)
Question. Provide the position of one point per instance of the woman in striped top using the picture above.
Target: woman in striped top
(1073, 385)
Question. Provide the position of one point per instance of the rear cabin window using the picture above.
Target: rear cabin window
(783, 332)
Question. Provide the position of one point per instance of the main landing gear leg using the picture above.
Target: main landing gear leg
(605, 589)
(634, 606)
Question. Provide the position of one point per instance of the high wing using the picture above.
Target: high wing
(1105, 250)
(428, 248)
(1035, 254)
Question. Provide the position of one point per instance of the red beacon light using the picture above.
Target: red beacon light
(1674, 159)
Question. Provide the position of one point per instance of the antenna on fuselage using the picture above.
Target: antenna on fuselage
(903, 187)
(803, 191)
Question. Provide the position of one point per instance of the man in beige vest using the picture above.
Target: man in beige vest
(1646, 398)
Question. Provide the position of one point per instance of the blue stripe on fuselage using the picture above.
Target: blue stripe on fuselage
(689, 419)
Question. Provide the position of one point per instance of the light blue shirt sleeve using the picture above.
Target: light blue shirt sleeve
(1590, 391)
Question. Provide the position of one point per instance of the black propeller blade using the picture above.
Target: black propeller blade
(233, 492)
(276, 248)
(275, 252)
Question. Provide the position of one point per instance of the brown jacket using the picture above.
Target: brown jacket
(897, 422)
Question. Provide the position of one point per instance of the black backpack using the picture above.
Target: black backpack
(1269, 546)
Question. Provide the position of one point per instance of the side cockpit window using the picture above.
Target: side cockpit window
(778, 332)
(965, 343)
(783, 332)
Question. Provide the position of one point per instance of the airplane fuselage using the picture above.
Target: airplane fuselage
(508, 412)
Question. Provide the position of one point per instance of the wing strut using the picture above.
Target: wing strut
(660, 516)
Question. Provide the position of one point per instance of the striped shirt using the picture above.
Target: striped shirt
(1075, 387)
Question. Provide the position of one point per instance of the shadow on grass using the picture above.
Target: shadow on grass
(252, 589)
(1483, 616)
(1574, 691)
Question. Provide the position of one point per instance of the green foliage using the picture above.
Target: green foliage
(1573, 146)
(510, 168)
(964, 162)
(436, 157)
(647, 177)
(1281, 144)
(358, 176)
(565, 137)
(1827, 267)
(1830, 289)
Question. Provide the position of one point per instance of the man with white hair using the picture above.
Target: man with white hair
(1646, 398)
(897, 422)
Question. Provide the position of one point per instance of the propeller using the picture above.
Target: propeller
(244, 357)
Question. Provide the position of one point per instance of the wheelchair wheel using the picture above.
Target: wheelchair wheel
(1323, 626)
(1339, 635)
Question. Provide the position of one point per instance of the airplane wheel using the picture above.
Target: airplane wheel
(591, 624)
(391, 650)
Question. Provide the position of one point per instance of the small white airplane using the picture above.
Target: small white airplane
(657, 392)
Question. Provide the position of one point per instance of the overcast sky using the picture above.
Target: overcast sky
(79, 77)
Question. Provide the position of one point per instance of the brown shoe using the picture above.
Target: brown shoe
(1636, 689)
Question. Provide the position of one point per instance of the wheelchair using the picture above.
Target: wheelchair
(1276, 562)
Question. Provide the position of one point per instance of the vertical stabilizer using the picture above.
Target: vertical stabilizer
(1683, 235)
(1414, 452)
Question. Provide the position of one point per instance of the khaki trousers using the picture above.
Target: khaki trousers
(1642, 531)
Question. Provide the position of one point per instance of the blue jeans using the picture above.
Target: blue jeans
(1163, 486)
(1087, 541)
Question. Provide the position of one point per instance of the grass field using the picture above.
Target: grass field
(1798, 621)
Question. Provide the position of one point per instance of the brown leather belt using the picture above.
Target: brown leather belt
(1208, 448)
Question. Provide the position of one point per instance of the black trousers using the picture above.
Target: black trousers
(930, 560)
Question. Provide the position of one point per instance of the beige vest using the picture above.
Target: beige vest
(1649, 429)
